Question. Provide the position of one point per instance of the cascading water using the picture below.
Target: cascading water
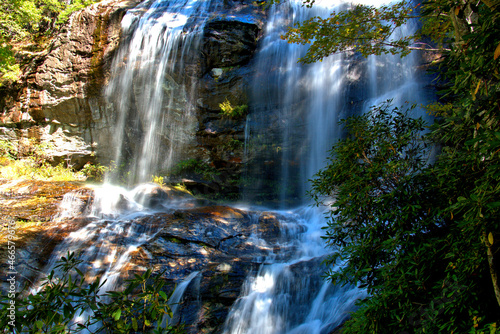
(307, 102)
(151, 91)
(151, 94)
(288, 295)
(296, 108)
(292, 124)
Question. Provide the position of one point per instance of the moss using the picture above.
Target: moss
(190, 166)
(174, 240)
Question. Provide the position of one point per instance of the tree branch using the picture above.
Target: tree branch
(493, 271)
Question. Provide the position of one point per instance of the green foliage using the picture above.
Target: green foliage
(68, 9)
(364, 29)
(140, 307)
(422, 238)
(369, 29)
(28, 159)
(21, 18)
(195, 166)
(182, 187)
(232, 144)
(388, 232)
(372, 175)
(30, 169)
(159, 180)
(94, 172)
(9, 70)
(24, 22)
(7, 149)
(228, 110)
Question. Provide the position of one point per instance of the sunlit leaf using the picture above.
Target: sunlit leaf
(163, 295)
(497, 52)
(117, 314)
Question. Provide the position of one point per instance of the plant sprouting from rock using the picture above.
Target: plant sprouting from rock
(228, 110)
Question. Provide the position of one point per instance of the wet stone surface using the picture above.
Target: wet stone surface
(28, 210)
(172, 234)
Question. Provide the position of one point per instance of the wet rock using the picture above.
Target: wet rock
(60, 100)
(28, 210)
(34, 201)
(222, 244)
(152, 195)
(230, 39)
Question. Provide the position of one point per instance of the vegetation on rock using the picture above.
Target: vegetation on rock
(30, 160)
(228, 110)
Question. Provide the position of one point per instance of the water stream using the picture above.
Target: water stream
(150, 90)
(305, 103)
(288, 295)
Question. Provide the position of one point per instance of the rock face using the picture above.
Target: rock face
(62, 103)
(28, 210)
(218, 243)
(59, 101)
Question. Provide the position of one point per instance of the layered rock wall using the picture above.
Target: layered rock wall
(61, 100)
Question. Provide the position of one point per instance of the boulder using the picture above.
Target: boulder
(216, 242)
(152, 195)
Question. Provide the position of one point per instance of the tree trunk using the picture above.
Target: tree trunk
(493, 271)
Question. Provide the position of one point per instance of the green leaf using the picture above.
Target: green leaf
(490, 238)
(117, 314)
(163, 295)
(493, 205)
(496, 54)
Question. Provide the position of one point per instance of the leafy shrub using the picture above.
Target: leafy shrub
(94, 172)
(195, 166)
(7, 149)
(141, 307)
(159, 180)
(228, 110)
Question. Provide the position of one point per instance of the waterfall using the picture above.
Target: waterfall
(151, 90)
(296, 113)
(297, 108)
(293, 122)
(288, 295)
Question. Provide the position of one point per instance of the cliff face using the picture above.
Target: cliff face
(61, 100)
(55, 102)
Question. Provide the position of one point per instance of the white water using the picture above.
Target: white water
(297, 108)
(308, 100)
(287, 295)
(150, 90)
(175, 299)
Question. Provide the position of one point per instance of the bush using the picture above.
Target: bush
(391, 231)
(228, 110)
(94, 172)
(140, 307)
